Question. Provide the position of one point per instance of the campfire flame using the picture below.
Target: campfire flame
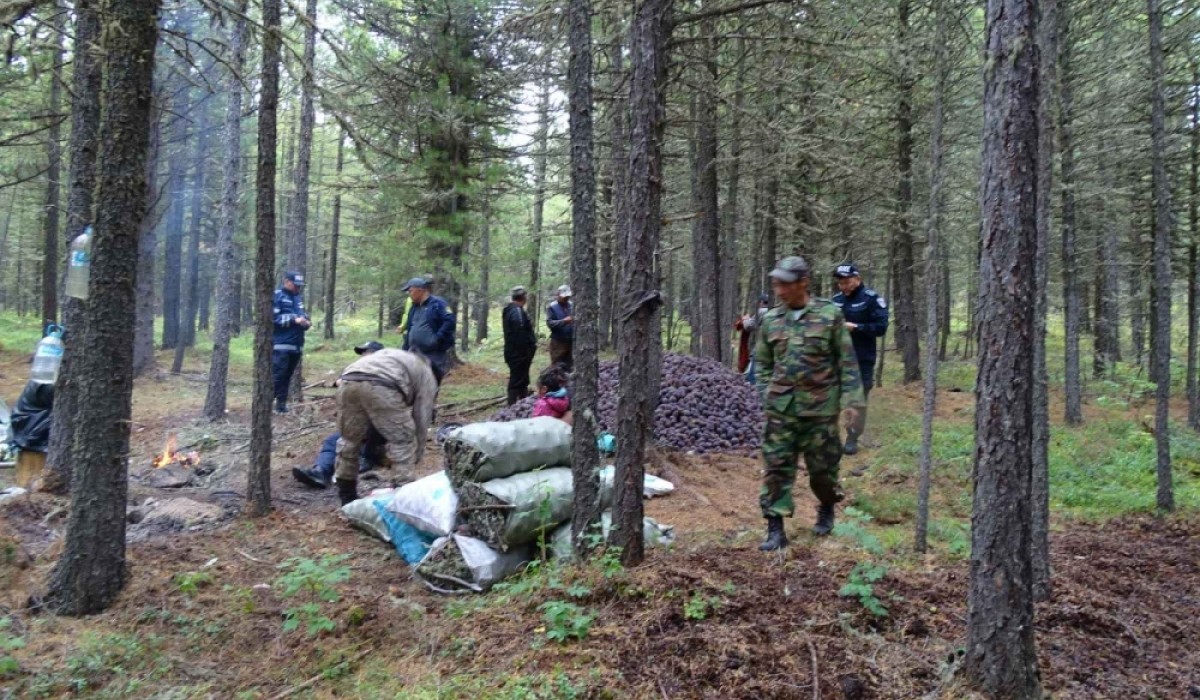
(171, 456)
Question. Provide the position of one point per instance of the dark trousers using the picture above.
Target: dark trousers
(518, 378)
(560, 353)
(283, 366)
(866, 370)
(374, 451)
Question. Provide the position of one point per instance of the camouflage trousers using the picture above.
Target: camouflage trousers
(787, 438)
(362, 405)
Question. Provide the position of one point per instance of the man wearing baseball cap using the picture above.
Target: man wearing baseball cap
(520, 344)
(429, 329)
(808, 374)
(867, 318)
(291, 323)
(561, 320)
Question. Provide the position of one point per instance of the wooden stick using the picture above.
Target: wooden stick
(816, 683)
(315, 679)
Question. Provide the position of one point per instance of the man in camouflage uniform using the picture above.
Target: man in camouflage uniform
(808, 373)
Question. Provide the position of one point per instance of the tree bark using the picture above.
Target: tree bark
(258, 490)
(91, 571)
(641, 337)
(483, 303)
(191, 281)
(1163, 225)
(1040, 483)
(81, 174)
(730, 215)
(53, 172)
(932, 261)
(1193, 241)
(173, 250)
(706, 255)
(584, 399)
(1071, 296)
(143, 333)
(218, 371)
(1001, 658)
(903, 261)
(540, 161)
(331, 284)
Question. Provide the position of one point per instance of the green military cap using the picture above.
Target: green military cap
(790, 269)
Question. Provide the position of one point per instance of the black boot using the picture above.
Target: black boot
(824, 524)
(311, 477)
(851, 446)
(347, 490)
(281, 406)
(776, 537)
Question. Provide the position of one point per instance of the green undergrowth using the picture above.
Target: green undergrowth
(375, 681)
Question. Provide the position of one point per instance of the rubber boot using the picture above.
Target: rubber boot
(311, 477)
(824, 524)
(776, 537)
(347, 490)
(851, 446)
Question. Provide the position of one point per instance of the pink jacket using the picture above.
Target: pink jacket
(555, 407)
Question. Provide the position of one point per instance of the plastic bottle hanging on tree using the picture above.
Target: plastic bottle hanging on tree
(48, 356)
(79, 265)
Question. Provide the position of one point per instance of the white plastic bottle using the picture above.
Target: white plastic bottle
(79, 265)
(48, 357)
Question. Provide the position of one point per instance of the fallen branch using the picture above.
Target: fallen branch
(812, 652)
(317, 678)
(253, 559)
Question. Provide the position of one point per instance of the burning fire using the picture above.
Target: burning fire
(171, 456)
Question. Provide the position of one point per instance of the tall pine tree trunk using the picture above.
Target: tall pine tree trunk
(540, 160)
(706, 255)
(258, 490)
(932, 261)
(1073, 410)
(218, 372)
(91, 570)
(1193, 241)
(143, 332)
(584, 400)
(483, 303)
(331, 283)
(53, 173)
(191, 282)
(903, 264)
(173, 250)
(1163, 225)
(730, 215)
(1001, 659)
(81, 174)
(1040, 484)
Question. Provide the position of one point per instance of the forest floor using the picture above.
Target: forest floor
(710, 617)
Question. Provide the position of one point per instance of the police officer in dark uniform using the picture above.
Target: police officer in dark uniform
(291, 322)
(867, 318)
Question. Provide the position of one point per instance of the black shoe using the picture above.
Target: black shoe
(851, 446)
(776, 537)
(824, 524)
(347, 490)
(311, 477)
(281, 407)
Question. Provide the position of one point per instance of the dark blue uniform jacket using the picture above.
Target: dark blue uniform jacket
(286, 309)
(866, 308)
(429, 330)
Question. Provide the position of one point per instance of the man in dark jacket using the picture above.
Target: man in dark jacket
(429, 330)
(867, 318)
(520, 345)
(561, 320)
(291, 323)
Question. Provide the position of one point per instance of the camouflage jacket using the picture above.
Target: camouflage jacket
(806, 365)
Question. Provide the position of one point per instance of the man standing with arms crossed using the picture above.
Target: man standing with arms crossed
(867, 318)
(520, 345)
(807, 372)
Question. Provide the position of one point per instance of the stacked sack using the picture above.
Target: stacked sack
(505, 488)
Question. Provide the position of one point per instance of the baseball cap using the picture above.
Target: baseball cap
(846, 270)
(414, 282)
(518, 291)
(295, 278)
(564, 291)
(369, 346)
(790, 269)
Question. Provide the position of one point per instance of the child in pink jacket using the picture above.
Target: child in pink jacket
(553, 399)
